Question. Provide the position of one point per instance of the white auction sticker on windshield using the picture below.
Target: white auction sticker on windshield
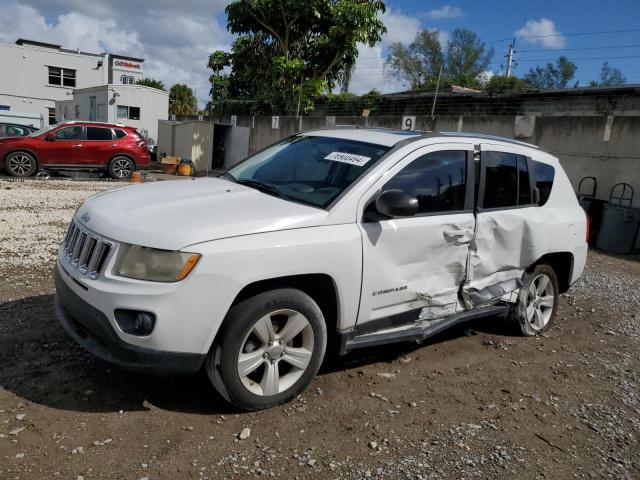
(350, 158)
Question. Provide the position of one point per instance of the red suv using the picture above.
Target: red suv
(76, 146)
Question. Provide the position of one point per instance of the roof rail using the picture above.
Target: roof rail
(484, 136)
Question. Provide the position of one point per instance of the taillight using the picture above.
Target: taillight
(588, 229)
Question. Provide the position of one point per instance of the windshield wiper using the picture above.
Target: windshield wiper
(263, 187)
(226, 175)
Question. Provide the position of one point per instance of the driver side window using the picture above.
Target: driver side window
(437, 179)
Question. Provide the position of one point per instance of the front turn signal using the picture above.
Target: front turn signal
(188, 266)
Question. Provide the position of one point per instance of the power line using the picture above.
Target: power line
(579, 58)
(573, 34)
(578, 48)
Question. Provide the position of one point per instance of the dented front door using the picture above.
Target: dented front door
(413, 268)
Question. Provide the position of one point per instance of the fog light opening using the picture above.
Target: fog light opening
(135, 322)
(143, 324)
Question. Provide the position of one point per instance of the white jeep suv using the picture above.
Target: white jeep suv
(347, 237)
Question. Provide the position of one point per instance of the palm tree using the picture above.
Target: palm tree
(181, 100)
(150, 82)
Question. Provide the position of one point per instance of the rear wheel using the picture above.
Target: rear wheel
(270, 348)
(121, 168)
(20, 164)
(537, 301)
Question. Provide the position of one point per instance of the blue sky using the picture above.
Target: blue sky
(495, 20)
(176, 37)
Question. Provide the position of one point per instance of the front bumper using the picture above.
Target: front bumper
(91, 329)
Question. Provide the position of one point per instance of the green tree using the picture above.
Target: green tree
(418, 63)
(288, 51)
(467, 58)
(181, 100)
(218, 61)
(552, 75)
(504, 84)
(610, 76)
(150, 82)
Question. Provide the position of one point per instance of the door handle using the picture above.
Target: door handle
(456, 233)
(463, 235)
(113, 145)
(77, 145)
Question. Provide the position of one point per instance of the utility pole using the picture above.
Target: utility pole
(299, 98)
(510, 58)
(433, 107)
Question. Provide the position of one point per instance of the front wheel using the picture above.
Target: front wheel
(270, 348)
(20, 164)
(537, 301)
(121, 168)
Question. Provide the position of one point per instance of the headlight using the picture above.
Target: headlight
(144, 263)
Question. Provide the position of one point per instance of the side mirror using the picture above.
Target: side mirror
(396, 203)
(49, 138)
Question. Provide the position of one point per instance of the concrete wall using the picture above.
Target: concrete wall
(605, 147)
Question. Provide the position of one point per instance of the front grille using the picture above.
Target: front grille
(85, 251)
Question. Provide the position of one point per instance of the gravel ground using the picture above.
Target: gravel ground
(476, 402)
(33, 219)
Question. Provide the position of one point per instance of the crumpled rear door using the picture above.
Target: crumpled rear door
(510, 230)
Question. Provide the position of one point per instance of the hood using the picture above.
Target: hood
(174, 214)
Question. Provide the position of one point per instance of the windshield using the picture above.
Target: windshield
(310, 170)
(37, 133)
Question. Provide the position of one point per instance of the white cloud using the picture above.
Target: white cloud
(542, 32)
(176, 45)
(370, 70)
(444, 12)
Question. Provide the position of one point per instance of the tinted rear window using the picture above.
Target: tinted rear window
(99, 133)
(506, 180)
(543, 180)
(120, 133)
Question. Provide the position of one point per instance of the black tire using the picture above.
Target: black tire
(222, 363)
(543, 315)
(121, 167)
(20, 164)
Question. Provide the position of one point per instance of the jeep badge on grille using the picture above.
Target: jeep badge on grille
(85, 217)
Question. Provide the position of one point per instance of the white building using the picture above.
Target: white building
(132, 105)
(35, 75)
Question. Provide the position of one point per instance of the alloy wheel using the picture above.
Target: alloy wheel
(540, 302)
(122, 168)
(20, 164)
(276, 352)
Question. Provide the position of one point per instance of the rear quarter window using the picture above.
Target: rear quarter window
(543, 175)
(120, 133)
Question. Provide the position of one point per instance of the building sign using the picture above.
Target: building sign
(126, 64)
